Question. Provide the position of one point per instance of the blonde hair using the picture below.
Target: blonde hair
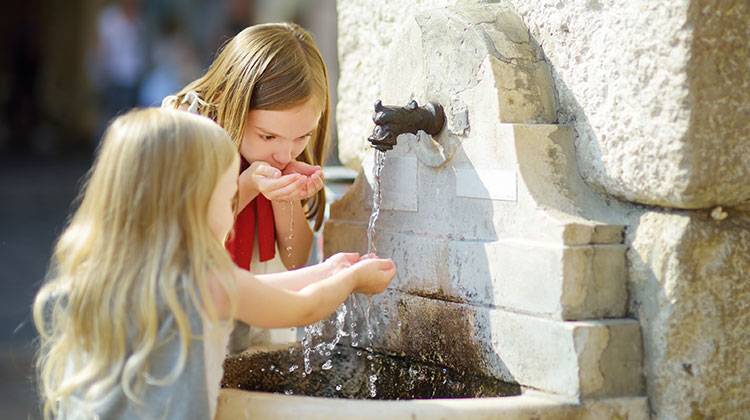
(272, 66)
(138, 249)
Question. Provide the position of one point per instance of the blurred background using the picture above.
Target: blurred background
(66, 68)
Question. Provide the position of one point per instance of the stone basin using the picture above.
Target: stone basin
(268, 370)
(257, 384)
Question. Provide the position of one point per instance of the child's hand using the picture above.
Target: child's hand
(341, 261)
(263, 178)
(314, 174)
(372, 275)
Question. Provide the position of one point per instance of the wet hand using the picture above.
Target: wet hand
(263, 178)
(341, 261)
(373, 275)
(313, 173)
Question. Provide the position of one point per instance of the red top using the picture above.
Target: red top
(258, 213)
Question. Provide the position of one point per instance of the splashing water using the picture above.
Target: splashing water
(353, 324)
(311, 331)
(377, 171)
(340, 324)
(371, 384)
(370, 334)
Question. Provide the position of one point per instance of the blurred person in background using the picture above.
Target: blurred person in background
(175, 63)
(119, 58)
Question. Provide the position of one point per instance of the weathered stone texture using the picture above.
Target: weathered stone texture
(691, 292)
(659, 94)
(579, 359)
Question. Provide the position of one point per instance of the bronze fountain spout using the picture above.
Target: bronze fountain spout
(392, 121)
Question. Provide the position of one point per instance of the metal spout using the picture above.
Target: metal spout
(392, 121)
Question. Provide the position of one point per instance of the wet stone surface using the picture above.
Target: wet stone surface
(397, 378)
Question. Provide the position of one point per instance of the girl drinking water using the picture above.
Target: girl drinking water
(134, 317)
(268, 88)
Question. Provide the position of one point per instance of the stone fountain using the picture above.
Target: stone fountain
(511, 294)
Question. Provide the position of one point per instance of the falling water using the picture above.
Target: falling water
(316, 330)
(372, 377)
(291, 231)
(377, 196)
(377, 170)
(353, 325)
(311, 331)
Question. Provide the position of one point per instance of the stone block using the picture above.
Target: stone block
(559, 282)
(691, 292)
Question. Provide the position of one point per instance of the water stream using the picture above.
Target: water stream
(314, 332)
(377, 170)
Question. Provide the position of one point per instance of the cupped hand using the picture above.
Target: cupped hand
(263, 178)
(341, 261)
(373, 274)
(314, 177)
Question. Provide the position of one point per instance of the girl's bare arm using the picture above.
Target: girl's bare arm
(263, 305)
(303, 277)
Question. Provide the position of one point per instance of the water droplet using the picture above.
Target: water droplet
(372, 379)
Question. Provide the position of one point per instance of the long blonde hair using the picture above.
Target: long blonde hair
(138, 249)
(272, 66)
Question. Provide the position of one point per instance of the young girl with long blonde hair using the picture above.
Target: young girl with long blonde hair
(133, 319)
(268, 88)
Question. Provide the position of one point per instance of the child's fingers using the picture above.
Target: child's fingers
(270, 184)
(314, 184)
(382, 264)
(268, 171)
(264, 169)
(351, 257)
(301, 168)
(317, 180)
(286, 192)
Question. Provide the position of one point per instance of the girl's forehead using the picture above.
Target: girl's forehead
(294, 121)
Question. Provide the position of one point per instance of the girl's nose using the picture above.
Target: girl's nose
(283, 154)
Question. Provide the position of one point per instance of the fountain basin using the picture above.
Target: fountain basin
(255, 383)
(281, 370)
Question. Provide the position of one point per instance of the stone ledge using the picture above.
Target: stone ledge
(549, 280)
(238, 405)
